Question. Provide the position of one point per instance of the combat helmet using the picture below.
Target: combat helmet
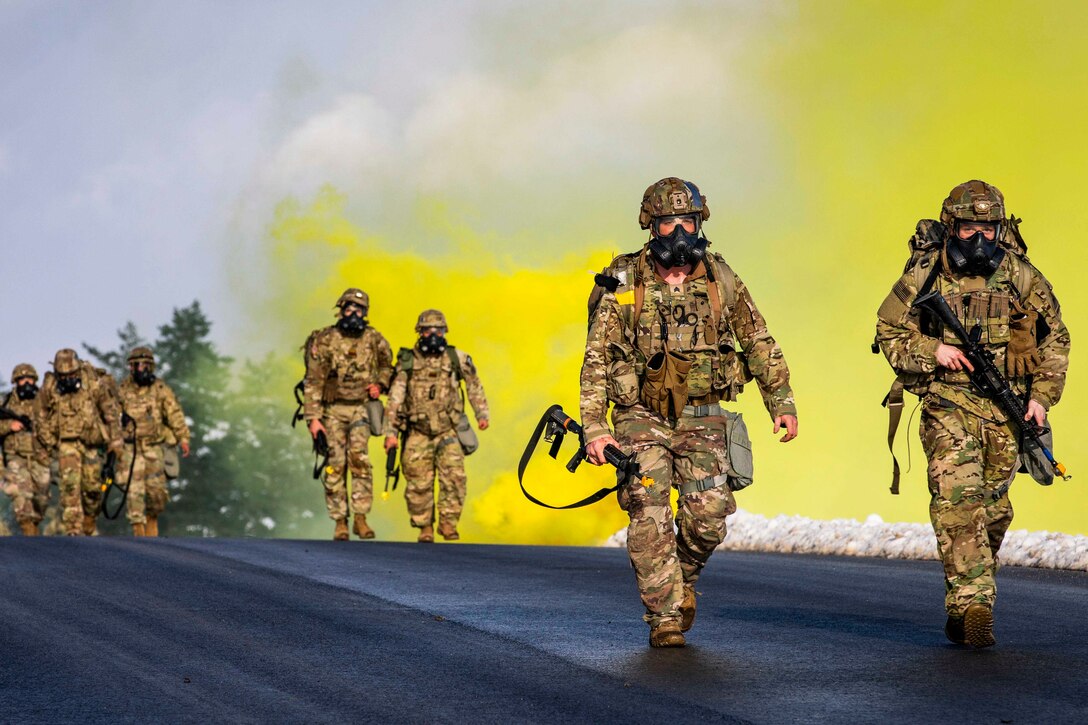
(672, 197)
(356, 296)
(66, 362)
(431, 318)
(974, 201)
(141, 354)
(24, 370)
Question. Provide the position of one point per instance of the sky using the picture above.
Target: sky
(484, 157)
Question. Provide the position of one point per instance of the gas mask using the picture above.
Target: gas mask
(680, 247)
(143, 377)
(975, 256)
(68, 384)
(26, 391)
(351, 325)
(433, 344)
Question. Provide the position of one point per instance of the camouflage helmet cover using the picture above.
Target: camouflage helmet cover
(356, 296)
(670, 197)
(66, 362)
(141, 354)
(974, 201)
(431, 318)
(23, 370)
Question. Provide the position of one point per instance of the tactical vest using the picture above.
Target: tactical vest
(691, 318)
(22, 443)
(143, 404)
(351, 367)
(77, 415)
(433, 398)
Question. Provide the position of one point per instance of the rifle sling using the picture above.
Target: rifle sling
(524, 462)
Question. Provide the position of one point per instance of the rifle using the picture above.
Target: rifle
(9, 414)
(554, 426)
(321, 453)
(392, 470)
(988, 380)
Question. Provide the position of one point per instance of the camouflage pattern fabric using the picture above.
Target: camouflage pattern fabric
(80, 469)
(972, 463)
(693, 449)
(427, 403)
(968, 441)
(155, 413)
(348, 431)
(423, 457)
(26, 475)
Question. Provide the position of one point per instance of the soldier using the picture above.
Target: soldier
(80, 415)
(347, 364)
(979, 268)
(149, 409)
(427, 404)
(26, 479)
(673, 332)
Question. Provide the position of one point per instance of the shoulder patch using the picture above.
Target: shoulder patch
(902, 291)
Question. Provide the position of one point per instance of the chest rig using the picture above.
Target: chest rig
(351, 368)
(143, 406)
(433, 399)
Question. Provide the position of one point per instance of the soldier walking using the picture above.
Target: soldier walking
(978, 266)
(347, 365)
(26, 464)
(426, 404)
(149, 409)
(673, 333)
(79, 416)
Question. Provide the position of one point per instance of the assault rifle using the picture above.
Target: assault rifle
(554, 426)
(392, 470)
(321, 453)
(988, 380)
(9, 414)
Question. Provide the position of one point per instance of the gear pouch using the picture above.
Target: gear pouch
(171, 463)
(739, 447)
(1032, 460)
(375, 415)
(466, 435)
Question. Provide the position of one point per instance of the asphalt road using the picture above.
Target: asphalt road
(125, 630)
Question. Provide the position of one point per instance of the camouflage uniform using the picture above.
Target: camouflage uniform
(339, 370)
(77, 426)
(426, 404)
(26, 475)
(687, 451)
(151, 410)
(972, 451)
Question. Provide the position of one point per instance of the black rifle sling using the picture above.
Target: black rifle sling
(131, 469)
(528, 454)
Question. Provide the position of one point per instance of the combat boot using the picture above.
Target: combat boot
(89, 528)
(151, 528)
(29, 528)
(978, 626)
(139, 529)
(953, 629)
(426, 535)
(341, 532)
(687, 608)
(449, 532)
(667, 634)
(361, 529)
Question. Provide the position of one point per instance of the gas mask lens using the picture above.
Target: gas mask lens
(664, 226)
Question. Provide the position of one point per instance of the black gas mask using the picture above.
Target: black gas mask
(975, 256)
(26, 391)
(143, 376)
(680, 247)
(352, 320)
(433, 344)
(68, 384)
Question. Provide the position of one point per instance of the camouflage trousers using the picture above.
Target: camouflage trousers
(348, 430)
(147, 494)
(971, 464)
(666, 558)
(423, 457)
(26, 482)
(80, 469)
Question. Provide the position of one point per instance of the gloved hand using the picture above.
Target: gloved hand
(1022, 354)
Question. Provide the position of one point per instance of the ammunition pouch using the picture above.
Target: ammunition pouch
(664, 386)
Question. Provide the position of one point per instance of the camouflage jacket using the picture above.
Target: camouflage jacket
(340, 368)
(154, 409)
(426, 393)
(727, 350)
(910, 343)
(23, 444)
(90, 415)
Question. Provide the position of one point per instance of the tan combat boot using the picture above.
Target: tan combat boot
(687, 608)
(341, 532)
(978, 626)
(448, 531)
(361, 529)
(89, 528)
(29, 528)
(667, 634)
(151, 528)
(139, 529)
(426, 535)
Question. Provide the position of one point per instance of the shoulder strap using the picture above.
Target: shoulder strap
(722, 288)
(451, 353)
